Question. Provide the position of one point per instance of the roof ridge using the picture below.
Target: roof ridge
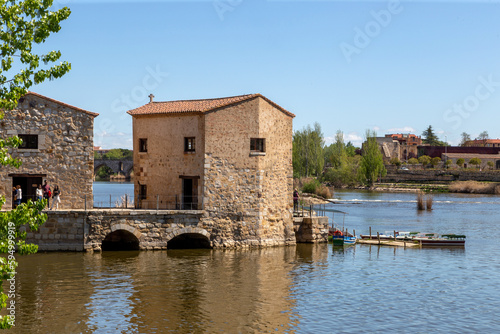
(62, 103)
(210, 99)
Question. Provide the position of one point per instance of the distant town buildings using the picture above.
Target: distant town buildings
(399, 145)
(231, 157)
(482, 143)
(57, 147)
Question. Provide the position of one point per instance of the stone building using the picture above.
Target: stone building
(230, 157)
(57, 147)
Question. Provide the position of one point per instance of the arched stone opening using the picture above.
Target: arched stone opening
(120, 240)
(189, 241)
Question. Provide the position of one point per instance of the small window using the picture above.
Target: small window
(143, 144)
(189, 144)
(143, 191)
(257, 145)
(29, 142)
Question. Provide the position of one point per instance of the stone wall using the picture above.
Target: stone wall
(249, 194)
(78, 230)
(312, 230)
(65, 153)
(441, 176)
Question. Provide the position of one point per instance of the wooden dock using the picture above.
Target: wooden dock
(393, 243)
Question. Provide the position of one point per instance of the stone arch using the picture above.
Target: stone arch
(122, 237)
(188, 237)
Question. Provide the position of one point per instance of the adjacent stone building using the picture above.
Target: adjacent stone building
(57, 147)
(230, 157)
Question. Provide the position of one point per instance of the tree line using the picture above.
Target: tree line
(345, 164)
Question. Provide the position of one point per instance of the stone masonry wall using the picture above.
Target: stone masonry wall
(248, 195)
(65, 148)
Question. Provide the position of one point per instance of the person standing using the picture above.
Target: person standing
(295, 200)
(19, 195)
(56, 197)
(39, 193)
(46, 192)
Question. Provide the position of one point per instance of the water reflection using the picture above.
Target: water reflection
(181, 291)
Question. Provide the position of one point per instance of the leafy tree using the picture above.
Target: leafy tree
(435, 161)
(490, 164)
(424, 160)
(103, 173)
(460, 162)
(448, 163)
(413, 161)
(465, 138)
(475, 161)
(350, 149)
(308, 151)
(24, 24)
(372, 163)
(337, 155)
(118, 154)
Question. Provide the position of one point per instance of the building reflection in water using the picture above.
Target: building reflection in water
(182, 291)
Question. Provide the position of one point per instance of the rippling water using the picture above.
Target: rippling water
(300, 289)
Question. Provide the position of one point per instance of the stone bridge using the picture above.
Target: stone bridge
(123, 167)
(130, 229)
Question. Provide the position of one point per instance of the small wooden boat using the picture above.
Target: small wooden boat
(450, 240)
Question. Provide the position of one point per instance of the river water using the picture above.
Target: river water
(299, 289)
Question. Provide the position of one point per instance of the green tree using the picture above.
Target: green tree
(337, 151)
(448, 163)
(25, 24)
(475, 161)
(308, 151)
(413, 161)
(483, 137)
(118, 154)
(460, 162)
(435, 161)
(490, 164)
(350, 149)
(424, 160)
(372, 163)
(430, 138)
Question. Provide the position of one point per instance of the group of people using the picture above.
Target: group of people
(41, 193)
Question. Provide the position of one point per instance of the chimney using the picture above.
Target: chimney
(151, 96)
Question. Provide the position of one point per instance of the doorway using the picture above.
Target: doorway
(189, 193)
(28, 184)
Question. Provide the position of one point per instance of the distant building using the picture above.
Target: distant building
(407, 144)
(231, 157)
(57, 147)
(401, 146)
(483, 143)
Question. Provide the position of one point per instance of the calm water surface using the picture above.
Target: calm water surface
(302, 289)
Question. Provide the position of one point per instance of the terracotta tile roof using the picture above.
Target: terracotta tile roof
(63, 104)
(197, 106)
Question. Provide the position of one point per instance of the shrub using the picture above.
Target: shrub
(413, 161)
(460, 162)
(424, 160)
(395, 161)
(435, 161)
(311, 187)
(324, 192)
(474, 187)
(475, 161)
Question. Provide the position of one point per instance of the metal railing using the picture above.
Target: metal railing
(157, 202)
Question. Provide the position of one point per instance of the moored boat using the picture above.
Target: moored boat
(456, 240)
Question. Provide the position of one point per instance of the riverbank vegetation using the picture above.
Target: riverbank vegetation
(474, 187)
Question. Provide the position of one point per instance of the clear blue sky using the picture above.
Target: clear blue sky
(348, 65)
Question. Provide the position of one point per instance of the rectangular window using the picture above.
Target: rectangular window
(189, 144)
(29, 142)
(143, 144)
(257, 144)
(143, 191)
